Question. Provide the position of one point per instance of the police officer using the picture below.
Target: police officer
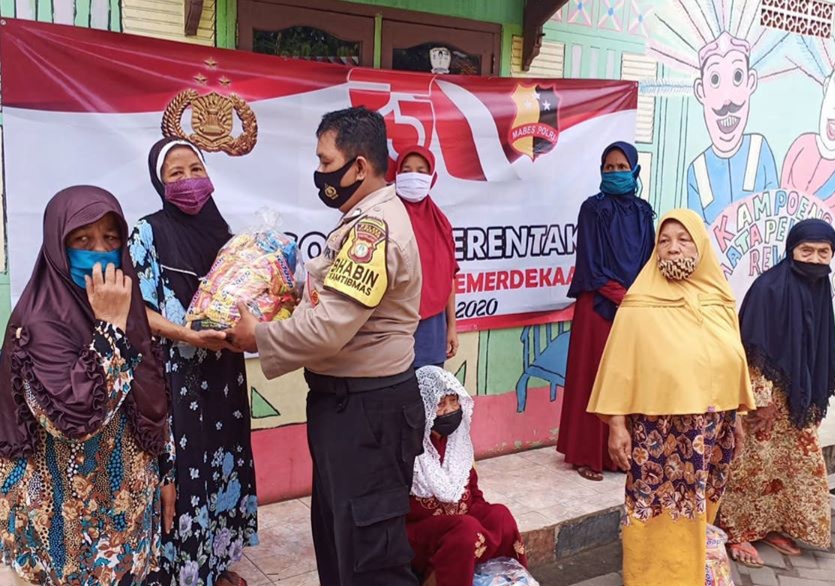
(353, 334)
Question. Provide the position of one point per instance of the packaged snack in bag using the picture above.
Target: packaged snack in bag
(257, 267)
(718, 567)
(503, 572)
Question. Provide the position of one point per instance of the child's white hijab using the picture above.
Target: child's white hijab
(445, 481)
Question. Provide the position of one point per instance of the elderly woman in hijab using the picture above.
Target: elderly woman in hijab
(450, 526)
(82, 407)
(672, 378)
(213, 469)
(614, 240)
(436, 338)
(778, 488)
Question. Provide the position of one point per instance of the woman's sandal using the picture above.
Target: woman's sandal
(783, 544)
(752, 559)
(589, 474)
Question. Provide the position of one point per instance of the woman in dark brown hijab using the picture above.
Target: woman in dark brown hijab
(83, 407)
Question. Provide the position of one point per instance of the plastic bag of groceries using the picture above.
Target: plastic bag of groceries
(718, 567)
(257, 266)
(503, 572)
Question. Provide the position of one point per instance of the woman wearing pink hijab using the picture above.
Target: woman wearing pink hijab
(436, 339)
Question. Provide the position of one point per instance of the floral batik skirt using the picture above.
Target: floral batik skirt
(680, 466)
(778, 483)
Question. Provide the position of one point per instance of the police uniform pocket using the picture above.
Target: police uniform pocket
(413, 431)
(380, 530)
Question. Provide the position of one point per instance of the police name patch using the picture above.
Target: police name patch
(359, 270)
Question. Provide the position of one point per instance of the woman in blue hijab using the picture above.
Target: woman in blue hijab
(615, 237)
(778, 490)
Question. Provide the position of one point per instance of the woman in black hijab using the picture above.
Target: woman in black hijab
(213, 470)
(778, 490)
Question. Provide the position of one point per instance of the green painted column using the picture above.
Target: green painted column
(82, 13)
(508, 32)
(7, 8)
(115, 16)
(226, 24)
(498, 11)
(378, 40)
(5, 300)
(44, 10)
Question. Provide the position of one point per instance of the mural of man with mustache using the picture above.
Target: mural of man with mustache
(736, 164)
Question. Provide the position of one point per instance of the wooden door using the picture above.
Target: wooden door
(411, 46)
(319, 34)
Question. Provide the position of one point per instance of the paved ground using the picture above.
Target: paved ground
(601, 564)
(540, 490)
(601, 567)
(537, 486)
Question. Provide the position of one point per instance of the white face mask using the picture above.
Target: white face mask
(413, 186)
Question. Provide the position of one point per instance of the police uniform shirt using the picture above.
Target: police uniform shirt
(360, 305)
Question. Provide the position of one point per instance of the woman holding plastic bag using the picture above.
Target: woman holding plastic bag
(212, 471)
(451, 527)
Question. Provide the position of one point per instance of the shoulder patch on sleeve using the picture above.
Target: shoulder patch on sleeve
(359, 271)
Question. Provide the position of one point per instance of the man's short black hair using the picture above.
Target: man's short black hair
(359, 132)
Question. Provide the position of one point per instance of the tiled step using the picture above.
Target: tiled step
(559, 514)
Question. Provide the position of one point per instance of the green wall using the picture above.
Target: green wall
(497, 11)
(507, 13)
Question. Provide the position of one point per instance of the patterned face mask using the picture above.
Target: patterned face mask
(677, 269)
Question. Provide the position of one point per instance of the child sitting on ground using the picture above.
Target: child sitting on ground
(450, 526)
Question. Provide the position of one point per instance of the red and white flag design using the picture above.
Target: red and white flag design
(515, 157)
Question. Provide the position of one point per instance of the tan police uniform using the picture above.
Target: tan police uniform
(353, 332)
(360, 307)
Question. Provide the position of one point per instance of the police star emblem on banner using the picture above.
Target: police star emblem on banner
(212, 117)
(535, 128)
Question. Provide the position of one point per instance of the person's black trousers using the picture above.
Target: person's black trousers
(364, 435)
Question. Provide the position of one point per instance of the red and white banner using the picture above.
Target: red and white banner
(516, 157)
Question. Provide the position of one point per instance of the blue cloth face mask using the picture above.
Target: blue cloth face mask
(620, 182)
(83, 261)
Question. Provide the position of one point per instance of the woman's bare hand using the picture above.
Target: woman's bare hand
(109, 293)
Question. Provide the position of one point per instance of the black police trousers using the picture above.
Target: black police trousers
(364, 435)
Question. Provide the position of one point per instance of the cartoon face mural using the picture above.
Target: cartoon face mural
(724, 46)
(809, 166)
(724, 90)
(826, 125)
(736, 164)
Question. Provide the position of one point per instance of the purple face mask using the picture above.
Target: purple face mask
(189, 195)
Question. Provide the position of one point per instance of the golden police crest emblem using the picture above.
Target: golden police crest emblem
(212, 121)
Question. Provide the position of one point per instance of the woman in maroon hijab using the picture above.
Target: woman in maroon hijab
(435, 339)
(82, 407)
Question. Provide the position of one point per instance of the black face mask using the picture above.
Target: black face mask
(811, 270)
(447, 424)
(331, 192)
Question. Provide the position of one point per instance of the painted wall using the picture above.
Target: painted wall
(783, 92)
(737, 99)
(516, 374)
(777, 101)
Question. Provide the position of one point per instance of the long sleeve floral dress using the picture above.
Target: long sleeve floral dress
(214, 470)
(84, 511)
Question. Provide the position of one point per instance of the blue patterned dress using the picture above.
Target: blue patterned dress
(214, 471)
(84, 511)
